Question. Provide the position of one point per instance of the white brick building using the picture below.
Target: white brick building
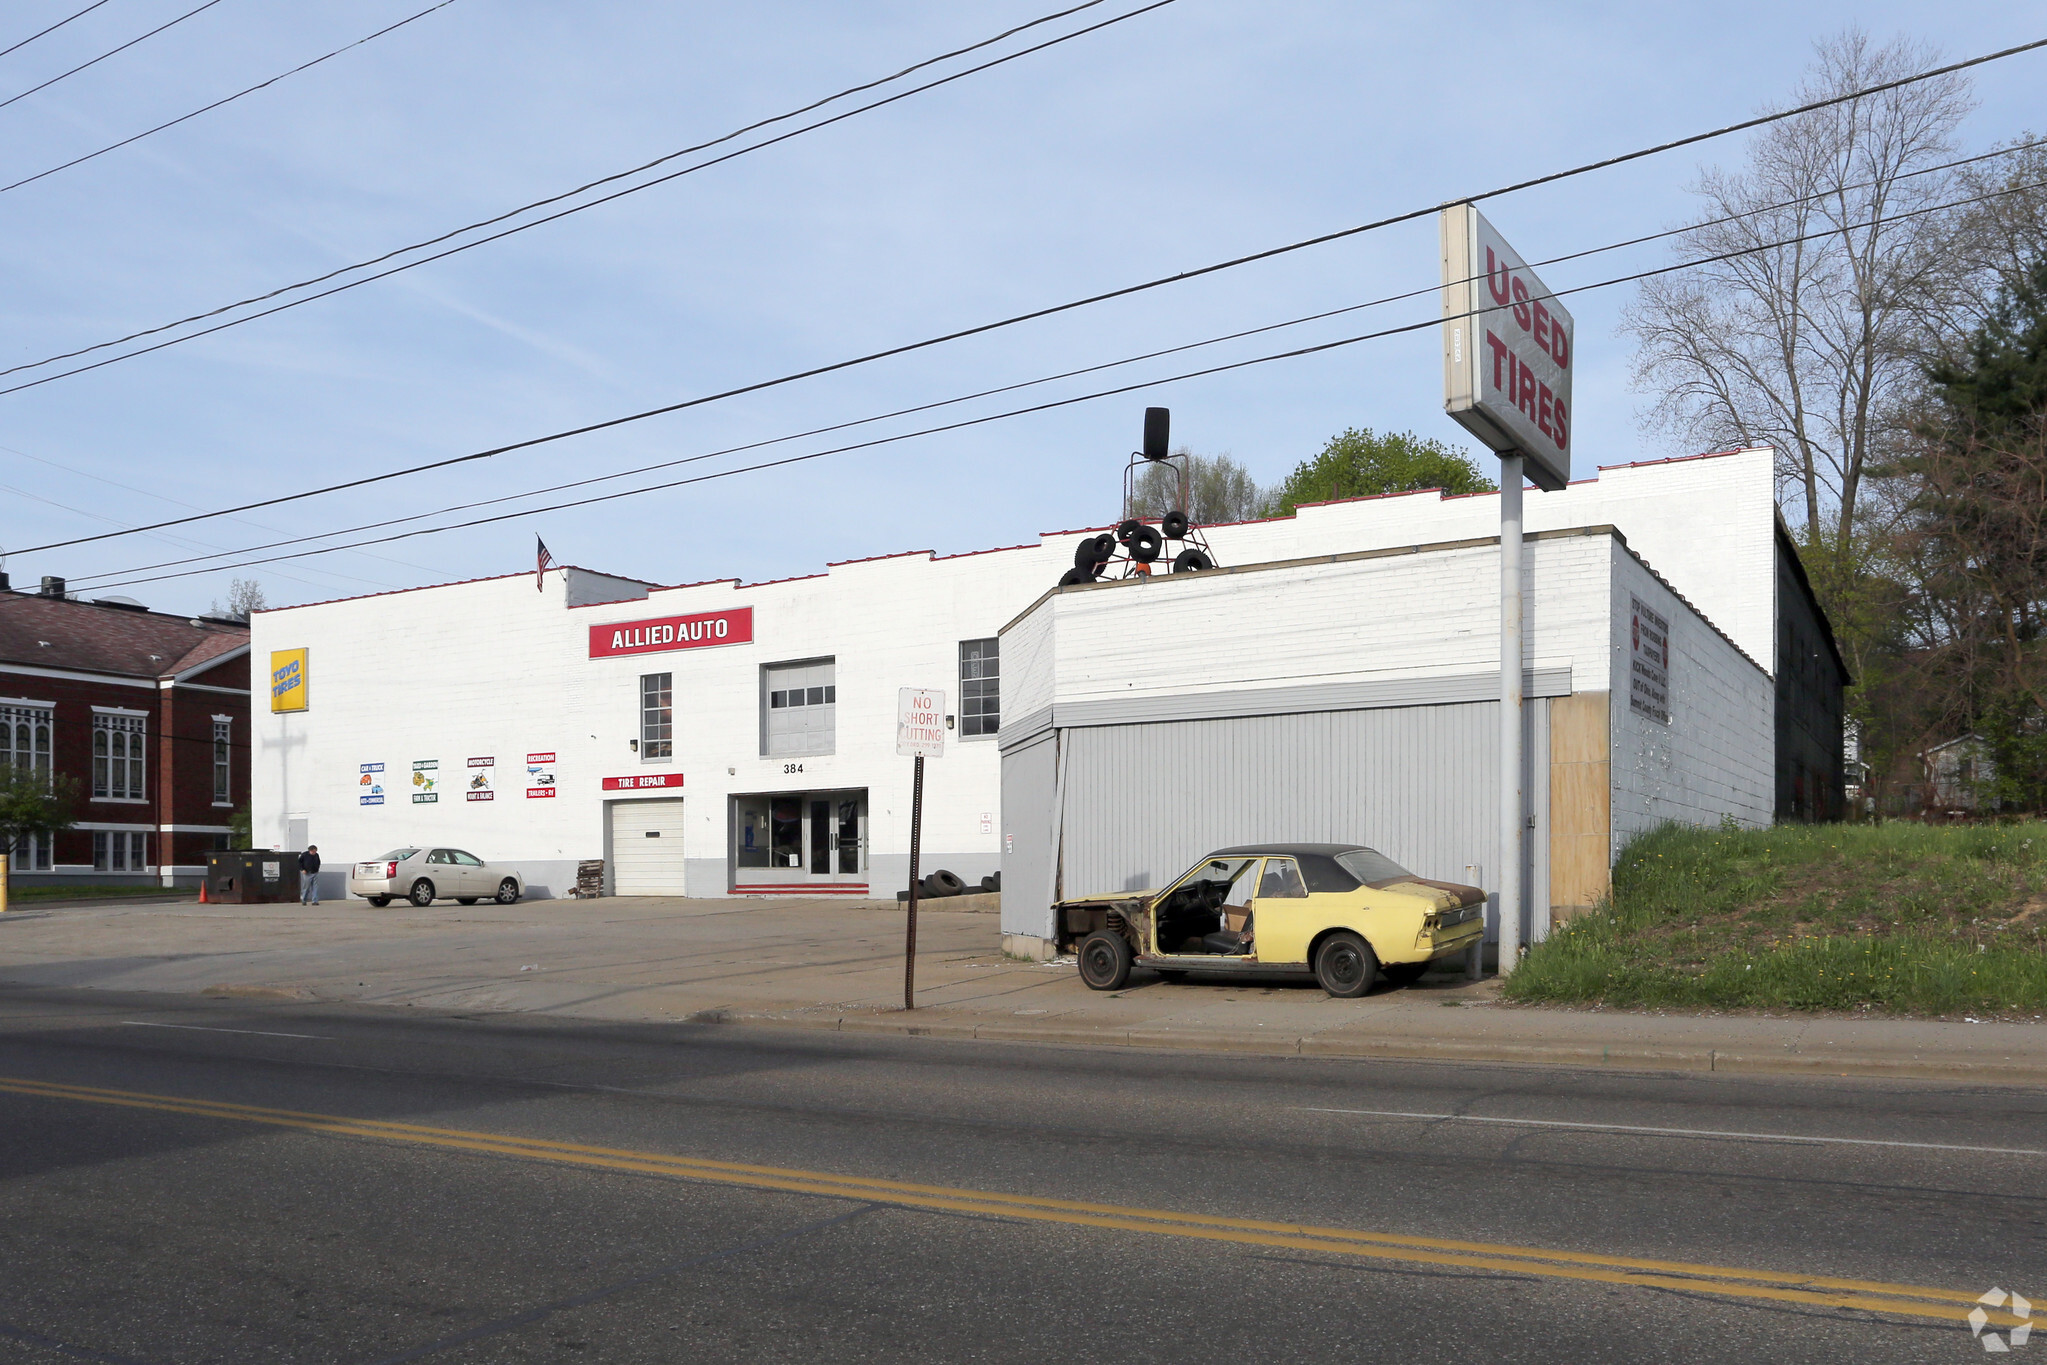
(723, 737)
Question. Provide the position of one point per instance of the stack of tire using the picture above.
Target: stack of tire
(1142, 542)
(945, 882)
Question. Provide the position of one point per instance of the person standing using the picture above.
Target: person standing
(309, 875)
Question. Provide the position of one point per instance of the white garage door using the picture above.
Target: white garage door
(646, 848)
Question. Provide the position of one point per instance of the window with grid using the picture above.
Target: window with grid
(118, 768)
(980, 687)
(25, 738)
(800, 711)
(657, 715)
(25, 744)
(223, 781)
(119, 851)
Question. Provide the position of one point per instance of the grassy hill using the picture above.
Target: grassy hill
(1908, 918)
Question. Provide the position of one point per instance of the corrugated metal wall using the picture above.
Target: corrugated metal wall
(1142, 802)
(1029, 835)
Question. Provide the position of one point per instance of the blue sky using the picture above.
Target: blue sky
(1200, 131)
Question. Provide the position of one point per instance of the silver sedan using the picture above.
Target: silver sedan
(424, 875)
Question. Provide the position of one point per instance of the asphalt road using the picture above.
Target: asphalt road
(189, 1181)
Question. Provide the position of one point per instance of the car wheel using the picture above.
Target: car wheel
(1175, 525)
(508, 891)
(1145, 544)
(1345, 965)
(1105, 960)
(465, 900)
(379, 901)
(1403, 973)
(422, 893)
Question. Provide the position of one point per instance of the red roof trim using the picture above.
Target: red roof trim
(1680, 459)
(991, 550)
(869, 559)
(934, 557)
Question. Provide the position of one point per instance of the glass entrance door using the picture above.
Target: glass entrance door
(792, 840)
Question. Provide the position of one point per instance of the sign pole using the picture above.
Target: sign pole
(1513, 825)
(1508, 350)
(916, 833)
(920, 733)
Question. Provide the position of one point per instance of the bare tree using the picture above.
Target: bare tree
(1220, 489)
(1820, 273)
(244, 595)
(1997, 240)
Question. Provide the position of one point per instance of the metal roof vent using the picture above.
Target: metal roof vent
(52, 587)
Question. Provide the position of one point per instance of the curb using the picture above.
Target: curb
(2012, 1071)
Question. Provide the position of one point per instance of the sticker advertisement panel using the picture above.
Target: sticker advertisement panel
(1648, 662)
(426, 780)
(659, 634)
(539, 777)
(369, 784)
(481, 771)
(288, 679)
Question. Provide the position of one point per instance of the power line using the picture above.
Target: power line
(1296, 353)
(229, 99)
(301, 539)
(578, 190)
(1015, 319)
(1078, 303)
(52, 28)
(104, 55)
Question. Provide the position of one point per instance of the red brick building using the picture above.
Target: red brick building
(148, 713)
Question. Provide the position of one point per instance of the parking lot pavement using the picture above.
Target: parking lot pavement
(838, 965)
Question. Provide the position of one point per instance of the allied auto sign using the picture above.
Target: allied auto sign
(661, 633)
(1507, 349)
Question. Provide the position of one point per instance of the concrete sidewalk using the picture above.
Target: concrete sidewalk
(838, 965)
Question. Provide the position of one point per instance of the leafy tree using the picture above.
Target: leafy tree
(1361, 462)
(32, 803)
(1218, 490)
(1974, 529)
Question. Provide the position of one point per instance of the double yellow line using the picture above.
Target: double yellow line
(1821, 1291)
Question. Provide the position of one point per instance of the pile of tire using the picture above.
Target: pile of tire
(1141, 541)
(944, 883)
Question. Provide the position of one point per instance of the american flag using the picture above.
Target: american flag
(540, 563)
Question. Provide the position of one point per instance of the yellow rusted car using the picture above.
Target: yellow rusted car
(1345, 913)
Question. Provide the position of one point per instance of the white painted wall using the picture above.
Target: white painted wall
(1717, 756)
(494, 667)
(1396, 617)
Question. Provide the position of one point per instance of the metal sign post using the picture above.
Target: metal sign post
(1513, 826)
(920, 732)
(1508, 348)
(910, 935)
